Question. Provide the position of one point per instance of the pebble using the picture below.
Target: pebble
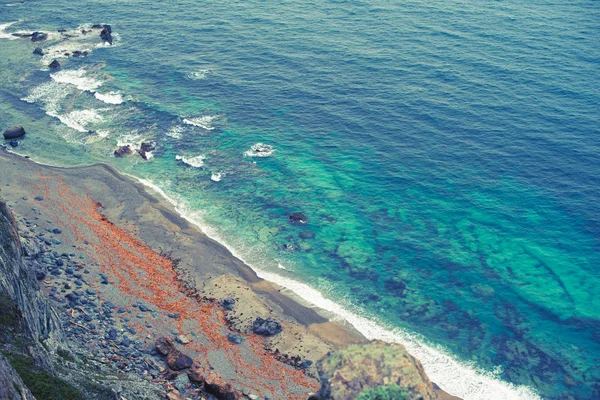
(183, 339)
(174, 315)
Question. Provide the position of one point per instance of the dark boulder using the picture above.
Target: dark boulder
(178, 361)
(78, 53)
(164, 345)
(23, 35)
(145, 149)
(266, 327)
(106, 34)
(54, 64)
(14, 132)
(14, 143)
(214, 384)
(123, 151)
(38, 51)
(298, 218)
(228, 304)
(235, 338)
(38, 36)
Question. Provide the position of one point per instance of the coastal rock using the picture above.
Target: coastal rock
(371, 371)
(178, 361)
(14, 132)
(54, 65)
(106, 34)
(123, 151)
(266, 327)
(38, 36)
(298, 218)
(38, 51)
(146, 149)
(215, 385)
(164, 345)
(78, 53)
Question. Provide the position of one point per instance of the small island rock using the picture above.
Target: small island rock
(14, 132)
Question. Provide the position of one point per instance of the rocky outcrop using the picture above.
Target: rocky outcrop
(374, 370)
(38, 36)
(14, 132)
(146, 150)
(11, 385)
(266, 327)
(106, 34)
(18, 283)
(54, 64)
(123, 151)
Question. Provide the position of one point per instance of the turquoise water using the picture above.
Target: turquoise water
(445, 153)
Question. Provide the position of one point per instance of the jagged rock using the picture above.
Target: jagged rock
(298, 218)
(38, 51)
(106, 34)
(145, 149)
(38, 36)
(370, 370)
(11, 385)
(123, 151)
(266, 327)
(14, 132)
(178, 361)
(54, 65)
(215, 385)
(18, 282)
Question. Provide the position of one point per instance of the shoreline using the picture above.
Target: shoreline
(287, 297)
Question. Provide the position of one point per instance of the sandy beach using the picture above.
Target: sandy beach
(150, 254)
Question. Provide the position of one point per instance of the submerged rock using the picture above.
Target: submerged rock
(374, 370)
(266, 327)
(38, 51)
(14, 132)
(298, 218)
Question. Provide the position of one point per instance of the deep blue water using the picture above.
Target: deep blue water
(445, 153)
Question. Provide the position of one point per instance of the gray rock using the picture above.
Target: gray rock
(14, 132)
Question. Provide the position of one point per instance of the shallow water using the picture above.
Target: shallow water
(446, 155)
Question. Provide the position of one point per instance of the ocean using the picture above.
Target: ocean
(445, 155)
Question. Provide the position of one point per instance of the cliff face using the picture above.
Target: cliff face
(374, 370)
(34, 316)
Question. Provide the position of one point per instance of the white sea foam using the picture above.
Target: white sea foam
(455, 377)
(216, 176)
(196, 162)
(176, 131)
(110, 98)
(80, 119)
(260, 150)
(132, 139)
(204, 122)
(6, 35)
(77, 77)
(200, 74)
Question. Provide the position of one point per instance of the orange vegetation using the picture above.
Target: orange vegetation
(143, 274)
